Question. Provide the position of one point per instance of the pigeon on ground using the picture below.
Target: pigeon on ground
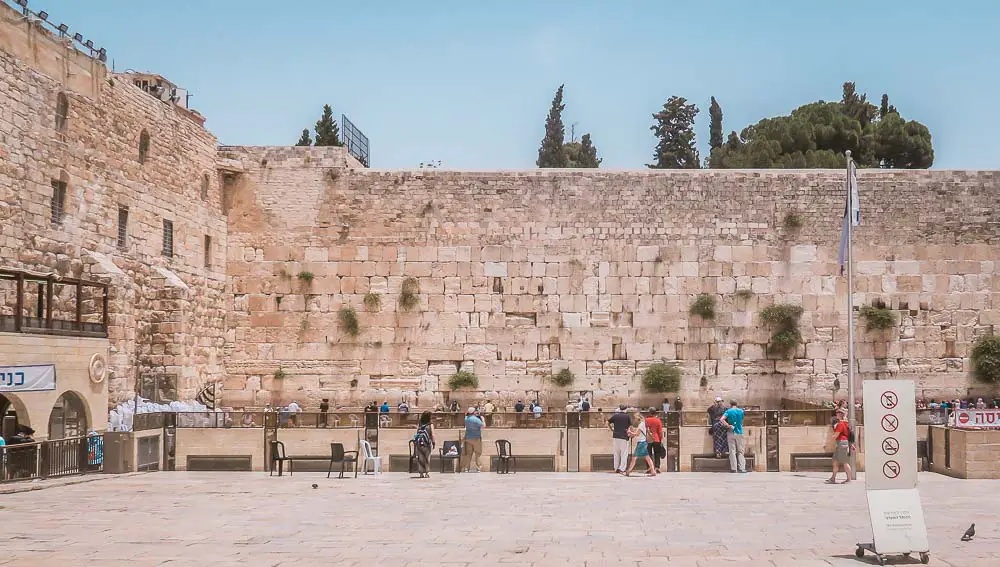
(969, 533)
(315, 486)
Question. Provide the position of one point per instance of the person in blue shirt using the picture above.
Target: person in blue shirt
(733, 421)
(473, 440)
(385, 406)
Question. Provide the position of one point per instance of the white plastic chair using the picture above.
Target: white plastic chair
(368, 455)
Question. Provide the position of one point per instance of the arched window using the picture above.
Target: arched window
(68, 417)
(204, 187)
(143, 145)
(62, 112)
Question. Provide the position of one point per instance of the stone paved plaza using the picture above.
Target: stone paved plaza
(249, 519)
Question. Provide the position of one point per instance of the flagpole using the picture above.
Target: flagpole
(851, 414)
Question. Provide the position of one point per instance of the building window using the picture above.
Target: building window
(62, 112)
(204, 187)
(122, 227)
(168, 238)
(143, 145)
(58, 201)
(208, 251)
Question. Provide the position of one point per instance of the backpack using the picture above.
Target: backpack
(421, 437)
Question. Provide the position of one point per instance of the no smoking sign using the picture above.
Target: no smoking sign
(890, 446)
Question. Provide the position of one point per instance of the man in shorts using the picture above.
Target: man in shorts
(842, 452)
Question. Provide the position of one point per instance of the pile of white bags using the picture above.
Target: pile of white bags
(121, 417)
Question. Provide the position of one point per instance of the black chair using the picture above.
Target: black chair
(413, 457)
(504, 457)
(339, 455)
(278, 456)
(445, 457)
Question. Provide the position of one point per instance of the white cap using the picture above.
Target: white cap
(718, 398)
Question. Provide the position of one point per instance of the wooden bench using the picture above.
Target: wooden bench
(711, 463)
(278, 457)
(228, 463)
(528, 463)
(812, 462)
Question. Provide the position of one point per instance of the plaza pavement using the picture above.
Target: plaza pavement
(592, 519)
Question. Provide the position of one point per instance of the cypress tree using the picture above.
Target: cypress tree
(674, 128)
(715, 127)
(305, 140)
(551, 153)
(327, 131)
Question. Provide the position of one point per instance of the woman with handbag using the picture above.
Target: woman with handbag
(423, 443)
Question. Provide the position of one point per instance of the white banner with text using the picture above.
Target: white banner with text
(28, 378)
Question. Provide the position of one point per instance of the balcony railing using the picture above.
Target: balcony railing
(52, 305)
(48, 459)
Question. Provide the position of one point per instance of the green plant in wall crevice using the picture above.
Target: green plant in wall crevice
(463, 380)
(660, 378)
(373, 301)
(784, 319)
(985, 358)
(704, 307)
(408, 298)
(563, 378)
(878, 316)
(347, 318)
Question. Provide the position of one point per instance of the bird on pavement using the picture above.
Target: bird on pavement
(969, 533)
(315, 486)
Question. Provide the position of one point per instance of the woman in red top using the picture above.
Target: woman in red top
(842, 454)
(654, 437)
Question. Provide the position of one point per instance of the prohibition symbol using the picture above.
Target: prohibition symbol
(889, 399)
(891, 469)
(890, 446)
(889, 423)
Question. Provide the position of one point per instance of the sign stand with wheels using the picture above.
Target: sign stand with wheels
(891, 472)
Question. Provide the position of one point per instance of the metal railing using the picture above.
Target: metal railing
(62, 30)
(53, 305)
(505, 419)
(354, 140)
(49, 459)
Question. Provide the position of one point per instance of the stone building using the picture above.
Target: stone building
(232, 265)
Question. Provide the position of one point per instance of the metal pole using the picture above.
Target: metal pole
(851, 417)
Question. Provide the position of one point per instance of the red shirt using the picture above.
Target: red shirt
(842, 428)
(654, 429)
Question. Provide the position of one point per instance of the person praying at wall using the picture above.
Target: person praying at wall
(716, 429)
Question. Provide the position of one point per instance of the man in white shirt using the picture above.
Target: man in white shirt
(293, 409)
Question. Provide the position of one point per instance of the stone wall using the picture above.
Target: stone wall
(521, 274)
(175, 304)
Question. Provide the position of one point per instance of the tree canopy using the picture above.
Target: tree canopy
(817, 134)
(551, 152)
(304, 140)
(674, 128)
(715, 126)
(582, 153)
(327, 131)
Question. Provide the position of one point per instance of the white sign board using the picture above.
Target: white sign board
(32, 378)
(897, 521)
(985, 418)
(891, 467)
(890, 434)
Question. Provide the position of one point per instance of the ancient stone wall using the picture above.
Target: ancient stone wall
(521, 274)
(175, 304)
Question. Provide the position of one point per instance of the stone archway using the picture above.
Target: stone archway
(11, 405)
(68, 417)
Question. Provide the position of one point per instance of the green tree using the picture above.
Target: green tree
(715, 126)
(674, 128)
(582, 153)
(552, 153)
(304, 140)
(817, 134)
(327, 131)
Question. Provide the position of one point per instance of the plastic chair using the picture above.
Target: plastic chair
(278, 456)
(339, 455)
(368, 455)
(504, 457)
(445, 456)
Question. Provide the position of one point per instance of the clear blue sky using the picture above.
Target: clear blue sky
(469, 83)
